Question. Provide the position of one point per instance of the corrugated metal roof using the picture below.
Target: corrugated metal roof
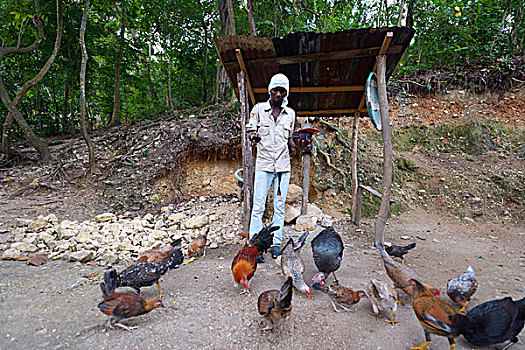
(327, 71)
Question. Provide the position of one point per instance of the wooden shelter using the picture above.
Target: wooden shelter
(327, 73)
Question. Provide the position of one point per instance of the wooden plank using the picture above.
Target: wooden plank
(384, 50)
(353, 167)
(384, 208)
(329, 111)
(306, 182)
(247, 156)
(324, 56)
(375, 193)
(243, 69)
(264, 90)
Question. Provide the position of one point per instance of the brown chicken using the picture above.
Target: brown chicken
(401, 274)
(245, 262)
(276, 305)
(158, 253)
(461, 288)
(197, 246)
(435, 315)
(122, 305)
(341, 295)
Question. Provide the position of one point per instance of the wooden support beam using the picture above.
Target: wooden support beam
(264, 90)
(356, 217)
(384, 208)
(247, 77)
(382, 51)
(321, 56)
(329, 112)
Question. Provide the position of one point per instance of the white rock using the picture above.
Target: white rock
(305, 223)
(27, 247)
(11, 254)
(295, 193)
(197, 222)
(82, 256)
(83, 237)
(52, 218)
(105, 217)
(214, 245)
(148, 217)
(327, 221)
(177, 217)
(313, 210)
(291, 213)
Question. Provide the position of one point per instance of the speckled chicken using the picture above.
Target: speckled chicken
(276, 305)
(340, 295)
(145, 274)
(122, 305)
(460, 289)
(401, 274)
(383, 296)
(327, 249)
(292, 265)
(158, 253)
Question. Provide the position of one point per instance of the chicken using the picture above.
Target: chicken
(461, 288)
(493, 322)
(435, 315)
(401, 274)
(327, 248)
(292, 265)
(121, 305)
(341, 295)
(158, 253)
(145, 274)
(383, 296)
(245, 262)
(197, 246)
(276, 305)
(398, 251)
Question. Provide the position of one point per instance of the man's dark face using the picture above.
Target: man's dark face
(277, 95)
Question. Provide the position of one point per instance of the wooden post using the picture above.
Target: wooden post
(387, 151)
(247, 157)
(353, 166)
(306, 182)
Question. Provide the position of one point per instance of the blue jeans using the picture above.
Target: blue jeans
(262, 182)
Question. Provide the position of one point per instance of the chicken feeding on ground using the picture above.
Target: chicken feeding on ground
(122, 305)
(144, 274)
(461, 288)
(398, 251)
(383, 296)
(245, 262)
(434, 314)
(493, 322)
(340, 295)
(158, 253)
(292, 265)
(197, 246)
(401, 274)
(327, 248)
(276, 305)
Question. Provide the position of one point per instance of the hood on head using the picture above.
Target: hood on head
(280, 80)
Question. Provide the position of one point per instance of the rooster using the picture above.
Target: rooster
(145, 274)
(292, 265)
(327, 249)
(276, 305)
(383, 296)
(493, 322)
(340, 295)
(245, 262)
(461, 288)
(399, 251)
(122, 305)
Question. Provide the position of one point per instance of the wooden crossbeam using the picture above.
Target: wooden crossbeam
(383, 51)
(328, 111)
(324, 56)
(243, 68)
(264, 90)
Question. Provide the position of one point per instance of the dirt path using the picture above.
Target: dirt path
(54, 307)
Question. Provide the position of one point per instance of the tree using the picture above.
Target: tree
(115, 117)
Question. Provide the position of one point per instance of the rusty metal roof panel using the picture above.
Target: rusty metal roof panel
(336, 62)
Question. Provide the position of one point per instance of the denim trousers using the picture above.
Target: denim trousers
(262, 182)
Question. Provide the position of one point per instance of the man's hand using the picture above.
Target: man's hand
(254, 137)
(301, 139)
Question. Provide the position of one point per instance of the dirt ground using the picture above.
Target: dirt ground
(54, 307)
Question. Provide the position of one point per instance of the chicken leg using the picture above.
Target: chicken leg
(125, 327)
(376, 314)
(462, 310)
(423, 346)
(160, 291)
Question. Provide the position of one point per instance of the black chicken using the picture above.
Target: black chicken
(327, 248)
(145, 274)
(493, 322)
(398, 251)
(265, 239)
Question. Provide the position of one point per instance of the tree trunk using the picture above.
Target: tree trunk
(410, 14)
(115, 117)
(83, 90)
(229, 5)
(401, 10)
(497, 37)
(23, 91)
(253, 28)
(148, 69)
(64, 106)
(205, 68)
(222, 93)
(170, 96)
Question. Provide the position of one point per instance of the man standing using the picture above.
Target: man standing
(271, 126)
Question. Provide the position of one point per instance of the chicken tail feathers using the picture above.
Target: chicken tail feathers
(521, 308)
(435, 324)
(109, 284)
(176, 243)
(285, 294)
(302, 241)
(263, 239)
(174, 259)
(410, 246)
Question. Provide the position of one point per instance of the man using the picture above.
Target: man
(271, 126)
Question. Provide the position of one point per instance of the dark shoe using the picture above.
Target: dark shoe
(275, 251)
(260, 259)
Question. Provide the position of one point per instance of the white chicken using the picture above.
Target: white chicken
(383, 296)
